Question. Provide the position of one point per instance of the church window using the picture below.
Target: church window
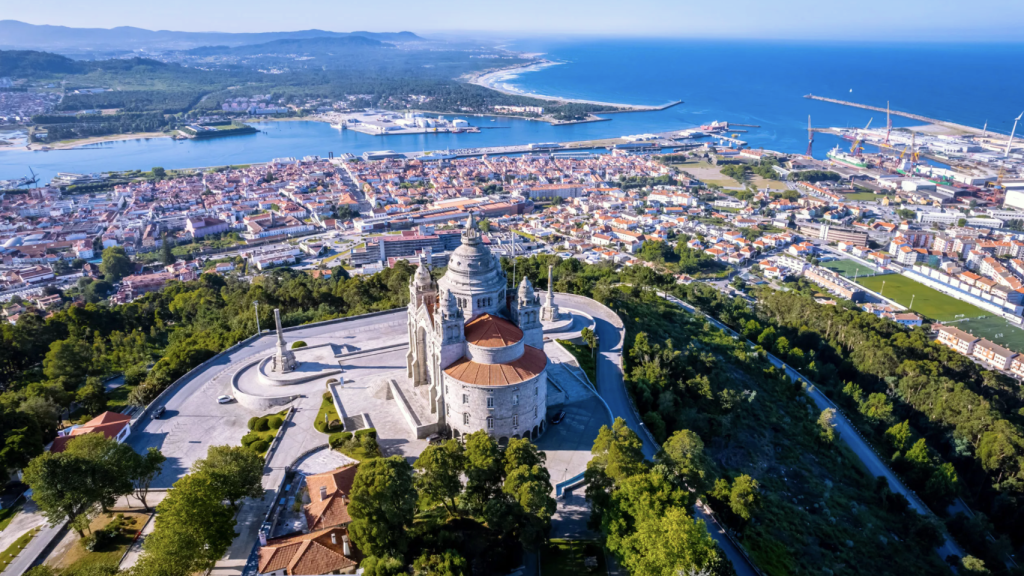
(515, 399)
(490, 402)
(515, 421)
(465, 398)
(536, 390)
(465, 418)
(448, 410)
(490, 422)
(534, 411)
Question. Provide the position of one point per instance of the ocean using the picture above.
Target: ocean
(748, 82)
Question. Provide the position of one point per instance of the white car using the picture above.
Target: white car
(224, 399)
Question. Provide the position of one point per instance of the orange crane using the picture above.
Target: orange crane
(857, 139)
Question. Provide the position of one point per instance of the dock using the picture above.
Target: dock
(918, 117)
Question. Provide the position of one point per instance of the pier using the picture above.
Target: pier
(925, 119)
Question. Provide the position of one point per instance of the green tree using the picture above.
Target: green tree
(616, 456)
(899, 435)
(236, 471)
(111, 463)
(21, 438)
(166, 253)
(672, 544)
(61, 486)
(447, 563)
(484, 471)
(383, 566)
(973, 566)
(827, 425)
(69, 359)
(683, 454)
(193, 530)
(145, 468)
(92, 397)
(440, 474)
(115, 264)
(382, 505)
(745, 497)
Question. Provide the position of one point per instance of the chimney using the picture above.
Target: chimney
(263, 538)
(345, 549)
(334, 538)
(323, 493)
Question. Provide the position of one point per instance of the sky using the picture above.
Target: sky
(938, 20)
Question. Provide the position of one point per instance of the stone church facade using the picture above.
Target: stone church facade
(478, 350)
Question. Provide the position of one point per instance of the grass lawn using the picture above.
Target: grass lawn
(849, 268)
(567, 558)
(584, 356)
(927, 301)
(8, 514)
(326, 407)
(8, 556)
(109, 554)
(865, 197)
(117, 399)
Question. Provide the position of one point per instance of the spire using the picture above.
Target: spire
(280, 332)
(551, 289)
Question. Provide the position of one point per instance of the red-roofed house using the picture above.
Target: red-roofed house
(110, 424)
(317, 553)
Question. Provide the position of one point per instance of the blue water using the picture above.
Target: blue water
(760, 83)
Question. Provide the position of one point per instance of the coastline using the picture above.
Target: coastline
(498, 80)
(72, 144)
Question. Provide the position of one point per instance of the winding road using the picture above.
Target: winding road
(847, 432)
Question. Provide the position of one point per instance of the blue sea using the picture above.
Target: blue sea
(748, 82)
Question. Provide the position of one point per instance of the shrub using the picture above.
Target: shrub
(84, 418)
(298, 344)
(328, 397)
(334, 425)
(331, 381)
(262, 425)
(275, 422)
(260, 446)
(339, 439)
(249, 438)
(252, 422)
(371, 432)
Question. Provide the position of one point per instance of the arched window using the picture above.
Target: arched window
(490, 402)
(490, 423)
(515, 399)
(465, 418)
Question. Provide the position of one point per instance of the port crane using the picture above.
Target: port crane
(888, 123)
(810, 136)
(857, 138)
(1012, 132)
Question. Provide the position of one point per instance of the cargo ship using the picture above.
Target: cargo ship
(837, 155)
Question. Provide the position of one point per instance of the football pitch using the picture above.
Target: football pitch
(995, 329)
(849, 268)
(928, 302)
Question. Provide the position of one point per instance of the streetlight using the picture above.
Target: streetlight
(912, 301)
(256, 304)
(883, 288)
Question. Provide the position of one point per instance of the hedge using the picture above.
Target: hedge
(275, 422)
(262, 425)
(298, 344)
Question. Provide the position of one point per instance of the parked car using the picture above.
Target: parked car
(224, 399)
(159, 412)
(558, 417)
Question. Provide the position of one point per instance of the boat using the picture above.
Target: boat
(338, 126)
(837, 155)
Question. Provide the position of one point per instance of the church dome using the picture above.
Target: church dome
(422, 276)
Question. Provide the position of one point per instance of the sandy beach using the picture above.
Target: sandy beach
(500, 80)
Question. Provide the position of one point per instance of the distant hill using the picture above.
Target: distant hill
(23, 63)
(345, 44)
(20, 35)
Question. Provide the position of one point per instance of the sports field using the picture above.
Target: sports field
(928, 302)
(995, 329)
(849, 268)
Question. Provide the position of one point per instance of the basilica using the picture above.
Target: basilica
(476, 353)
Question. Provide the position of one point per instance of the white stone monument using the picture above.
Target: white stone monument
(284, 359)
(549, 312)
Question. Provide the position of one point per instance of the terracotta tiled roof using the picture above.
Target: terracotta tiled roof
(331, 509)
(492, 332)
(307, 554)
(527, 366)
(109, 424)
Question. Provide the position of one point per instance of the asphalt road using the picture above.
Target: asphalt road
(611, 387)
(848, 434)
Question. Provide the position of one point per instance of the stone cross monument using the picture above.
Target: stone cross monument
(284, 360)
(549, 312)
